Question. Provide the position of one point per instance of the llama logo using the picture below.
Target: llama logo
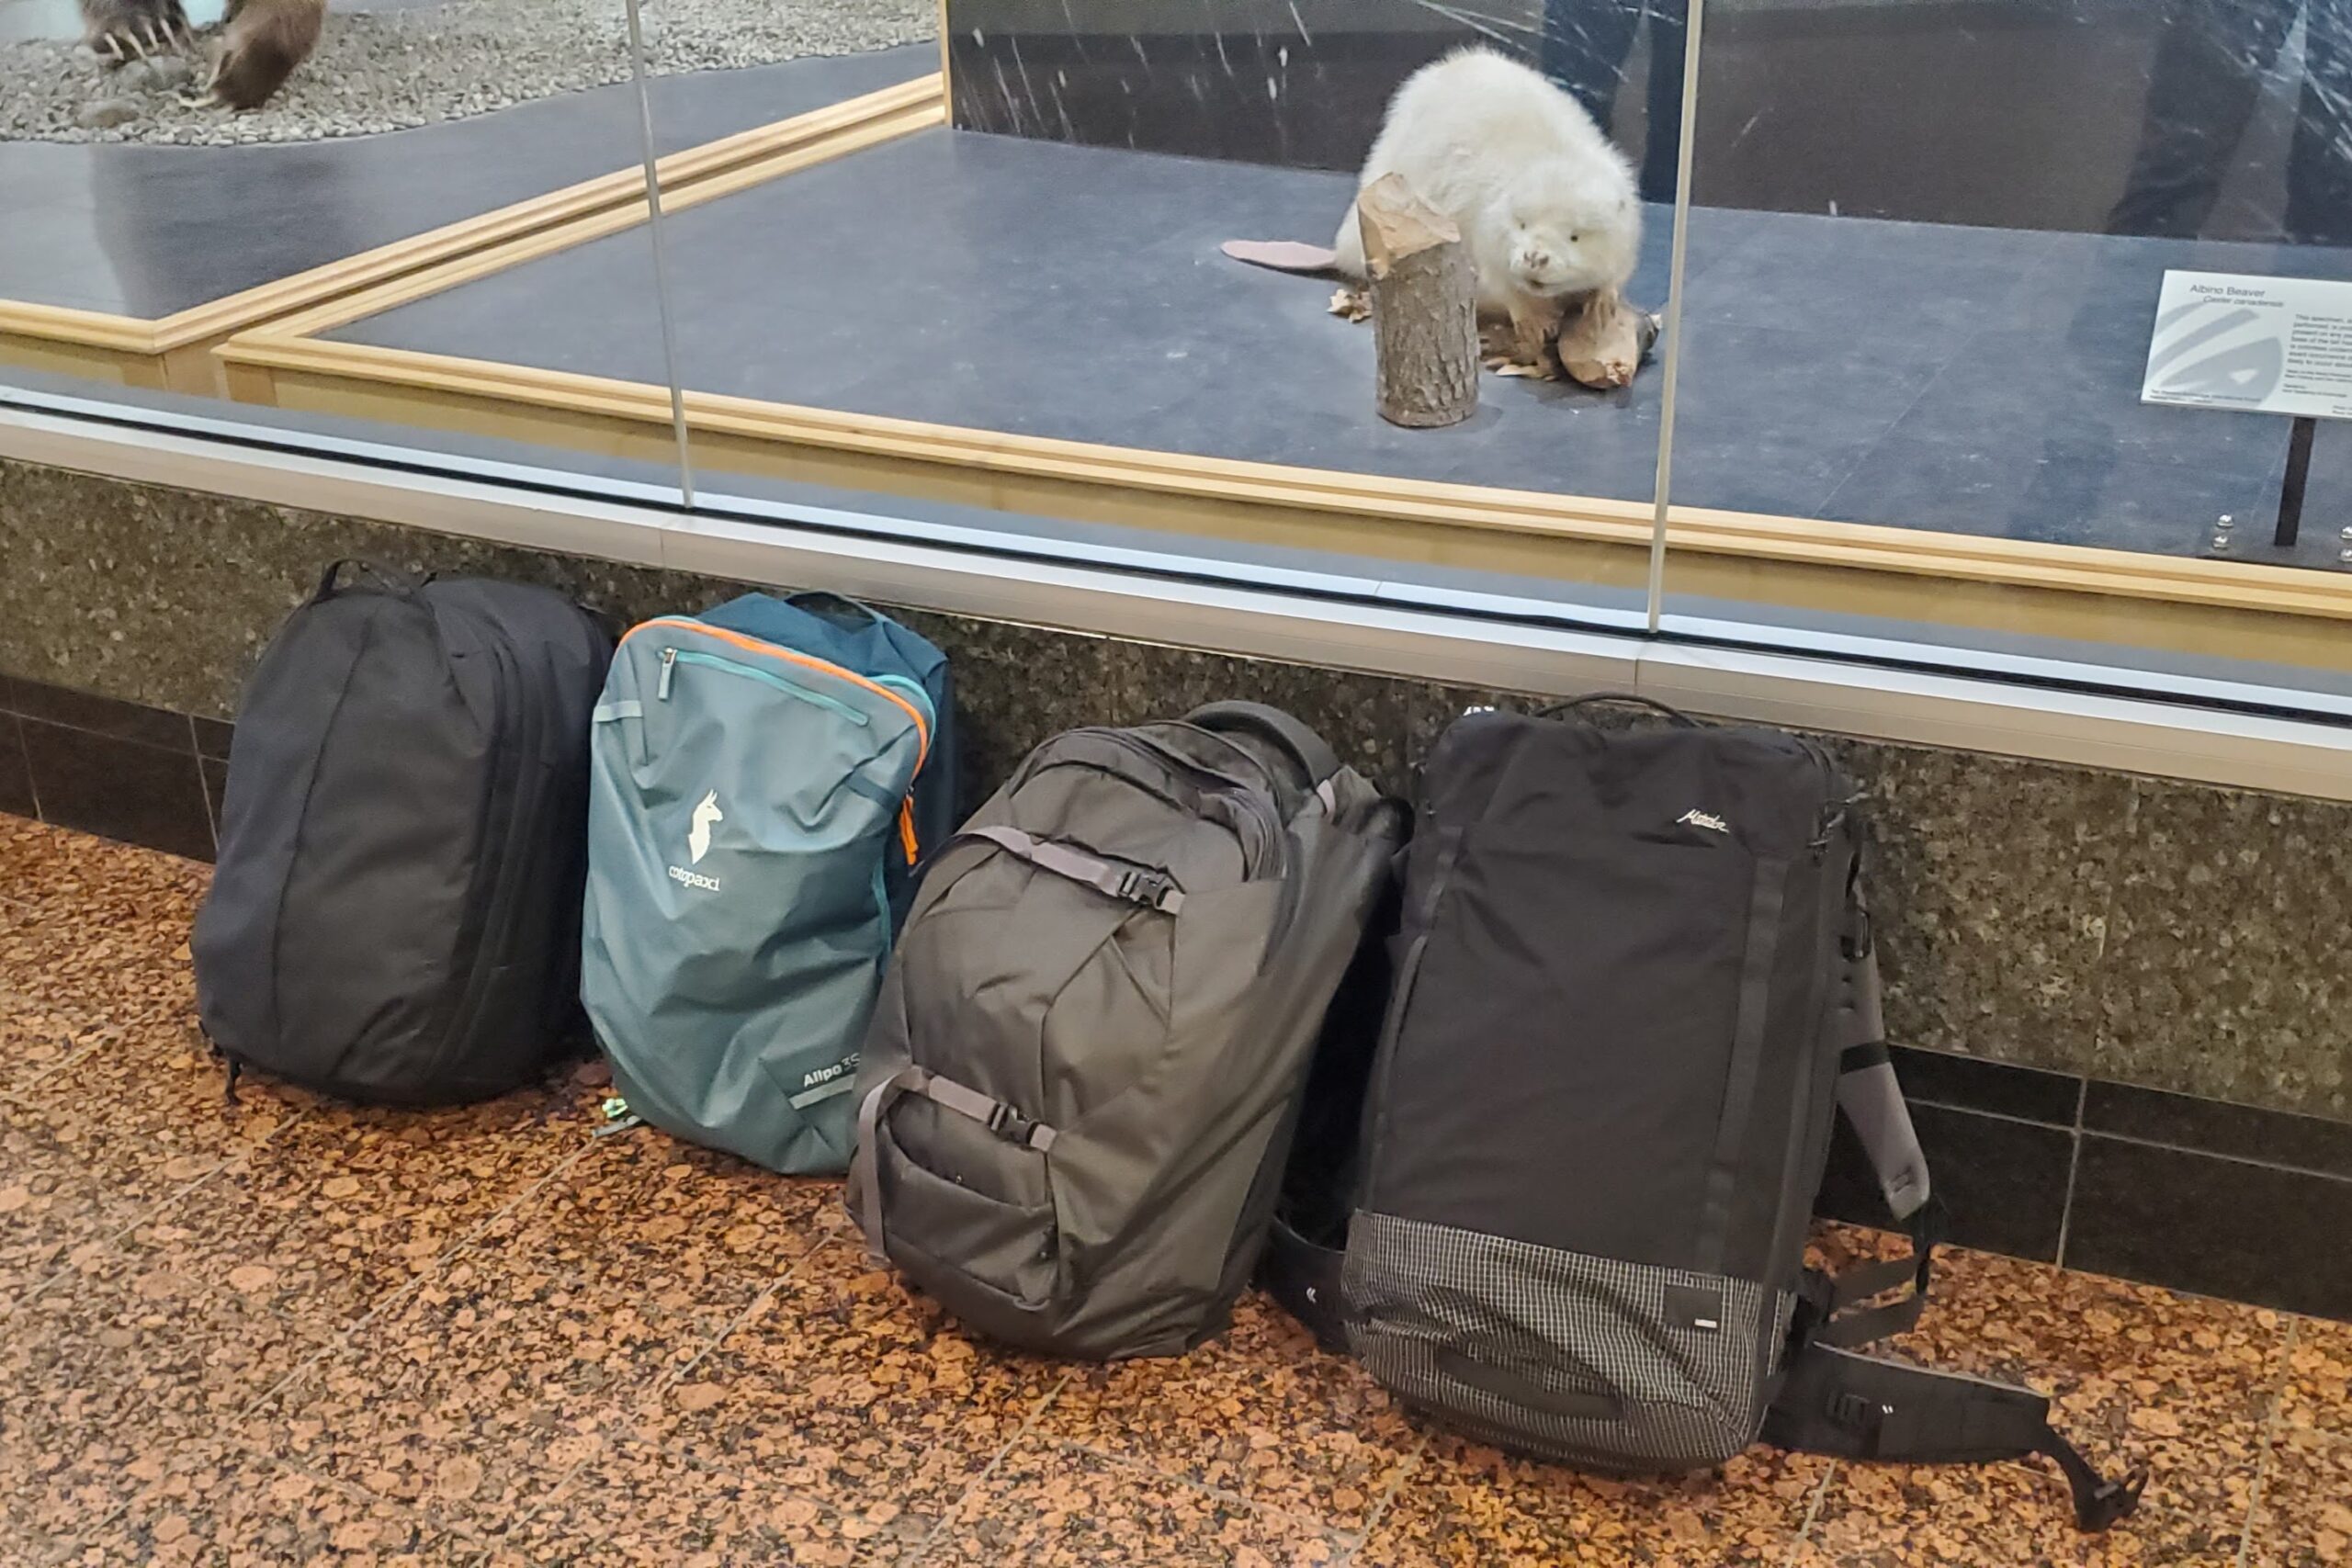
(698, 836)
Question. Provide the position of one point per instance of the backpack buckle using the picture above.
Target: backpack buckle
(2112, 1500)
(1009, 1124)
(1859, 1412)
(1155, 889)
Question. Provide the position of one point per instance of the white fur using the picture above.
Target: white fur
(1546, 205)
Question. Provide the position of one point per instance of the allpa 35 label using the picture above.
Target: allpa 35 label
(823, 1083)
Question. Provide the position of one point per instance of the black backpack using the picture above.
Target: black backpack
(1633, 986)
(395, 916)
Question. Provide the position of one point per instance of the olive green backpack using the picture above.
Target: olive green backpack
(1079, 1088)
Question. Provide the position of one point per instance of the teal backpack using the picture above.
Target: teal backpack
(762, 778)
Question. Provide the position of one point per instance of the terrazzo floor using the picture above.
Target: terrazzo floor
(292, 1332)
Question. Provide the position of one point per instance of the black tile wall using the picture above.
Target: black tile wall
(2195, 1194)
(216, 786)
(119, 789)
(2221, 1227)
(2267, 1137)
(1970, 1083)
(116, 768)
(2003, 1182)
(15, 772)
(101, 716)
(2000, 1147)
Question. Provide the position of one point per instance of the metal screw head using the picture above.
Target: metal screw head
(2344, 556)
(2221, 542)
(2347, 535)
(2229, 520)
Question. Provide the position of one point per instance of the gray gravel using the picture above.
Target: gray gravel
(415, 64)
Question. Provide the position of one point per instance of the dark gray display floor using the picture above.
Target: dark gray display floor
(144, 231)
(1976, 380)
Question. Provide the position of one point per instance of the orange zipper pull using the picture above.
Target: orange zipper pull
(907, 827)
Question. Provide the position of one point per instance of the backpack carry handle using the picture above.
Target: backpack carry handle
(1310, 751)
(606, 622)
(838, 608)
(331, 580)
(1621, 699)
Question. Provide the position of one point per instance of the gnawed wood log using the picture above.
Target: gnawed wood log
(1605, 342)
(1424, 294)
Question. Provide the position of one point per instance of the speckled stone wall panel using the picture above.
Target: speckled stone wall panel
(1360, 715)
(2225, 965)
(2136, 930)
(1016, 685)
(1992, 880)
(166, 597)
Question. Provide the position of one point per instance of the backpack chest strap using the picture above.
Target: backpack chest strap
(1152, 889)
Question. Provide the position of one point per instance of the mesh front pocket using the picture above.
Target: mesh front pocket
(1607, 1365)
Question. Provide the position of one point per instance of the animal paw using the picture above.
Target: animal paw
(126, 31)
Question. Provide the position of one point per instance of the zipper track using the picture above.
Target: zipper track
(483, 899)
(774, 683)
(913, 692)
(808, 662)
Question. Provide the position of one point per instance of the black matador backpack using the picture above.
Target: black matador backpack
(1561, 1201)
(395, 918)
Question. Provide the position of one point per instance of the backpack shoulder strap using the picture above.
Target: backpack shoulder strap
(1869, 1096)
(1871, 1100)
(1834, 1402)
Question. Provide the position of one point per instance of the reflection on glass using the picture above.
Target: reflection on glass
(1925, 263)
(1587, 46)
(2211, 67)
(367, 205)
(1044, 269)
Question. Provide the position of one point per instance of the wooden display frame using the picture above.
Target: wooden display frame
(2229, 609)
(175, 352)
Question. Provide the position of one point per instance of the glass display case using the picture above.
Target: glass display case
(1893, 389)
(1928, 330)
